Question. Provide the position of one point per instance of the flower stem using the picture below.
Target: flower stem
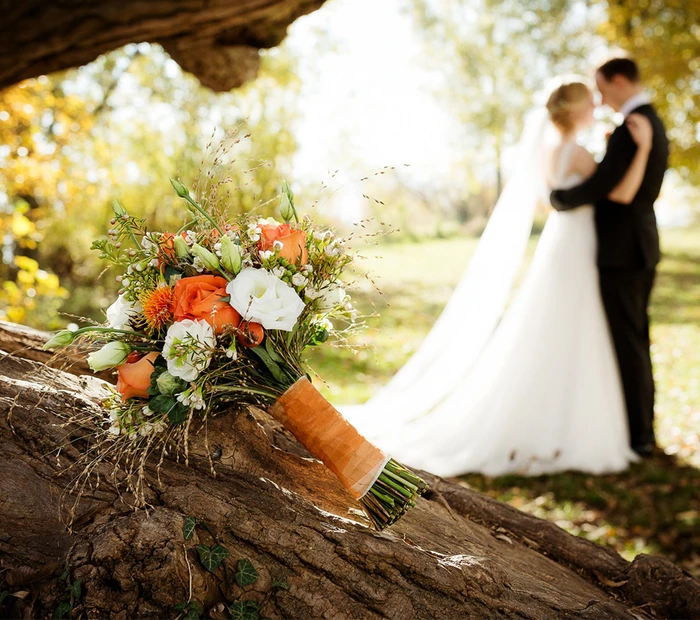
(199, 209)
(394, 492)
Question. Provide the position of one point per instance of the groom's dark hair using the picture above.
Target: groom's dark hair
(625, 67)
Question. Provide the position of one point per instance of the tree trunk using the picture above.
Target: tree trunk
(217, 40)
(458, 554)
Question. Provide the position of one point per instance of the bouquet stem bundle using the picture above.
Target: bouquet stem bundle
(384, 487)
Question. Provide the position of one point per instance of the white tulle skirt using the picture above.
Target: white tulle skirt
(544, 394)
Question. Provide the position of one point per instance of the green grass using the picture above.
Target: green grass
(652, 508)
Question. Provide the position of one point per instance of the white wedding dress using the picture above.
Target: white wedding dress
(542, 395)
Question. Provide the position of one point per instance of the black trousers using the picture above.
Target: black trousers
(625, 295)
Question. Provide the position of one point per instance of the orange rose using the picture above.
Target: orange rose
(199, 298)
(135, 376)
(293, 242)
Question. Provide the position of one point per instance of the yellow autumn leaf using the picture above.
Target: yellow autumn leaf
(25, 277)
(27, 264)
(21, 226)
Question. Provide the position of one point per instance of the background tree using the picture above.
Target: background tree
(119, 128)
(664, 38)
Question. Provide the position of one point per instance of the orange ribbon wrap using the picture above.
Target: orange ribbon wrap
(324, 432)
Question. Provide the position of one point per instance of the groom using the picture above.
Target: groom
(628, 242)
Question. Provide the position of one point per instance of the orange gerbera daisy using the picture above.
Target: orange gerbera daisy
(158, 307)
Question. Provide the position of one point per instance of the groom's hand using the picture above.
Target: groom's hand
(608, 174)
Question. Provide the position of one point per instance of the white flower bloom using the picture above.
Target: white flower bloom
(147, 244)
(331, 299)
(147, 411)
(319, 235)
(266, 254)
(279, 271)
(112, 354)
(188, 348)
(254, 233)
(114, 430)
(190, 237)
(299, 280)
(193, 399)
(154, 262)
(268, 221)
(307, 269)
(311, 293)
(277, 245)
(332, 250)
(260, 296)
(198, 264)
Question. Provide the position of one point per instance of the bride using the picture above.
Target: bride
(534, 389)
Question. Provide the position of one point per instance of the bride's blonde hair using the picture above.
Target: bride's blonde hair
(566, 94)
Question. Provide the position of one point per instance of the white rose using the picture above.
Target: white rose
(331, 299)
(188, 348)
(119, 313)
(260, 296)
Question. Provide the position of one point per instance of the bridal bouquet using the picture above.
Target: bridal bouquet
(219, 314)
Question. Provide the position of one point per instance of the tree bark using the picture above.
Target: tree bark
(458, 554)
(216, 40)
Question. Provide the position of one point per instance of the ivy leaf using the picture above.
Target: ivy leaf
(246, 573)
(188, 528)
(3, 595)
(181, 606)
(192, 612)
(76, 590)
(280, 583)
(64, 607)
(244, 610)
(212, 558)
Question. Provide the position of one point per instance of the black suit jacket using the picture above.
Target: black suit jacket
(627, 234)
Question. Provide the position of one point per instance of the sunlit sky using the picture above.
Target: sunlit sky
(369, 100)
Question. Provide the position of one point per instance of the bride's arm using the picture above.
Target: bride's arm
(642, 133)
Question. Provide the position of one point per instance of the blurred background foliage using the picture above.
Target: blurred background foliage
(70, 143)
